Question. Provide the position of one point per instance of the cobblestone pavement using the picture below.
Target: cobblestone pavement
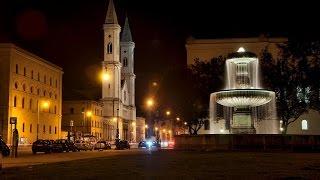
(165, 164)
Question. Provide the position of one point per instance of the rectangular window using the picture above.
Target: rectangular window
(55, 130)
(49, 129)
(22, 127)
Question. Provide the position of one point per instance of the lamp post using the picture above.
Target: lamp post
(45, 104)
(149, 104)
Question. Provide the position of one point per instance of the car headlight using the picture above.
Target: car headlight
(149, 143)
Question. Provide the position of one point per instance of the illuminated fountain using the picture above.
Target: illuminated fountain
(243, 107)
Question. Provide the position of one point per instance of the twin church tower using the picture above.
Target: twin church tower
(118, 87)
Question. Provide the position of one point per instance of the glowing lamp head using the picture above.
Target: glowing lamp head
(45, 105)
(168, 113)
(150, 102)
(114, 119)
(178, 119)
(241, 50)
(154, 84)
(281, 129)
(89, 113)
(105, 76)
(133, 124)
(156, 128)
(146, 126)
(185, 123)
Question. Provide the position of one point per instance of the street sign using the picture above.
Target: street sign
(13, 120)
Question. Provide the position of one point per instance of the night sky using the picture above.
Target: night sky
(69, 33)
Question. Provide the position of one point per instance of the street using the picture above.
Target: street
(160, 164)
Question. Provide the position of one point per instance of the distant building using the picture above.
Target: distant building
(85, 118)
(206, 49)
(31, 90)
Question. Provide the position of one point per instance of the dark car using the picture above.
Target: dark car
(60, 145)
(4, 149)
(142, 144)
(123, 144)
(102, 145)
(41, 146)
(71, 146)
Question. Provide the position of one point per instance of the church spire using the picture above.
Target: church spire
(111, 14)
(126, 34)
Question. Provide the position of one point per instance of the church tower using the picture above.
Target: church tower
(127, 59)
(111, 66)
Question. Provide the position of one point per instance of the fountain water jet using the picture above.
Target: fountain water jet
(243, 107)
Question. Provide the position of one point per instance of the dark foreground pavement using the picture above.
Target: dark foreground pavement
(169, 164)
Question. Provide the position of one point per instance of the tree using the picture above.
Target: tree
(202, 78)
(292, 77)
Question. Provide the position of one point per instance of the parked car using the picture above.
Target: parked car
(83, 145)
(71, 146)
(41, 146)
(123, 144)
(60, 145)
(5, 150)
(102, 145)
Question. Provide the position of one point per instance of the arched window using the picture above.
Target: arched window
(44, 93)
(44, 129)
(22, 103)
(125, 62)
(32, 74)
(38, 91)
(24, 71)
(17, 69)
(49, 129)
(16, 85)
(22, 127)
(15, 101)
(109, 48)
(24, 87)
(56, 83)
(55, 109)
(304, 124)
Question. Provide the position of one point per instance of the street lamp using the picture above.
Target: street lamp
(168, 113)
(149, 102)
(43, 105)
(178, 119)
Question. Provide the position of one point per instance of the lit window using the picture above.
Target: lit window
(304, 124)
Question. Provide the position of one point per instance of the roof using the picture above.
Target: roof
(126, 34)
(111, 17)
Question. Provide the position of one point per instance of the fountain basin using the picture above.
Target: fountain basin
(243, 97)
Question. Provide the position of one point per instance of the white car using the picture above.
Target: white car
(83, 145)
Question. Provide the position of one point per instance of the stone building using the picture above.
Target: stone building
(31, 91)
(85, 118)
(206, 49)
(140, 129)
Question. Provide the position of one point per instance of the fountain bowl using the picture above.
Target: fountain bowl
(243, 97)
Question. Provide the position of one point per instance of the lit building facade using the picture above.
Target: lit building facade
(85, 118)
(31, 91)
